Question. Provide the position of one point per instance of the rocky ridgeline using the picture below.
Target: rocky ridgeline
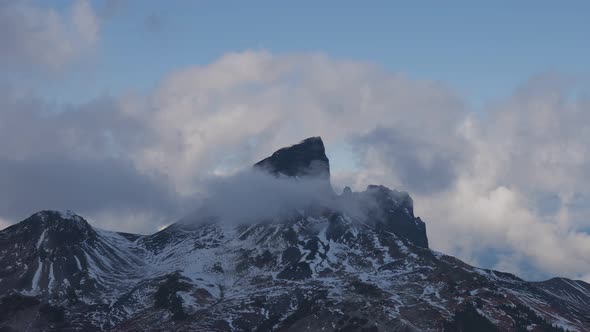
(361, 264)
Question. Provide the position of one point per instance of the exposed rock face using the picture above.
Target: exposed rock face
(394, 212)
(387, 209)
(307, 158)
(362, 264)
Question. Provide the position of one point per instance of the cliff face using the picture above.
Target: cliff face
(307, 158)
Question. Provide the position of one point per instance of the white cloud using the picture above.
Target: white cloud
(506, 188)
(245, 105)
(528, 146)
(40, 36)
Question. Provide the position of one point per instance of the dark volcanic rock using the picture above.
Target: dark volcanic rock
(307, 158)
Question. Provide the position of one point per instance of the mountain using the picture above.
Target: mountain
(358, 261)
(308, 158)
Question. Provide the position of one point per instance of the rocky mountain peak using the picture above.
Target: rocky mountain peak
(61, 220)
(307, 158)
(352, 262)
(52, 229)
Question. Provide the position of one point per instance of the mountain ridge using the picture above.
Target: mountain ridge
(365, 267)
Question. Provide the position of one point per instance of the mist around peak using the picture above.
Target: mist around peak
(253, 195)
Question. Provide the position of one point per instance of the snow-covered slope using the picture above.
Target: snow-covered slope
(319, 268)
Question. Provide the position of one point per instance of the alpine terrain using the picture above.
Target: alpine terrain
(358, 261)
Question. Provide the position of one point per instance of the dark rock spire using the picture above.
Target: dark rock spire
(307, 158)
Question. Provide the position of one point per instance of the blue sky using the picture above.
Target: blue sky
(482, 50)
(480, 112)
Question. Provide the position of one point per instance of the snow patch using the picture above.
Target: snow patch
(41, 239)
(35, 283)
(78, 263)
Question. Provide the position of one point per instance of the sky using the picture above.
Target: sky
(124, 110)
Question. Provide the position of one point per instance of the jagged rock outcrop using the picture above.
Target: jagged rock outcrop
(307, 158)
(388, 210)
(393, 211)
(359, 263)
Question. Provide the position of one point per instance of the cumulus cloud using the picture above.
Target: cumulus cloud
(414, 159)
(40, 36)
(506, 188)
(512, 199)
(475, 177)
(245, 105)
